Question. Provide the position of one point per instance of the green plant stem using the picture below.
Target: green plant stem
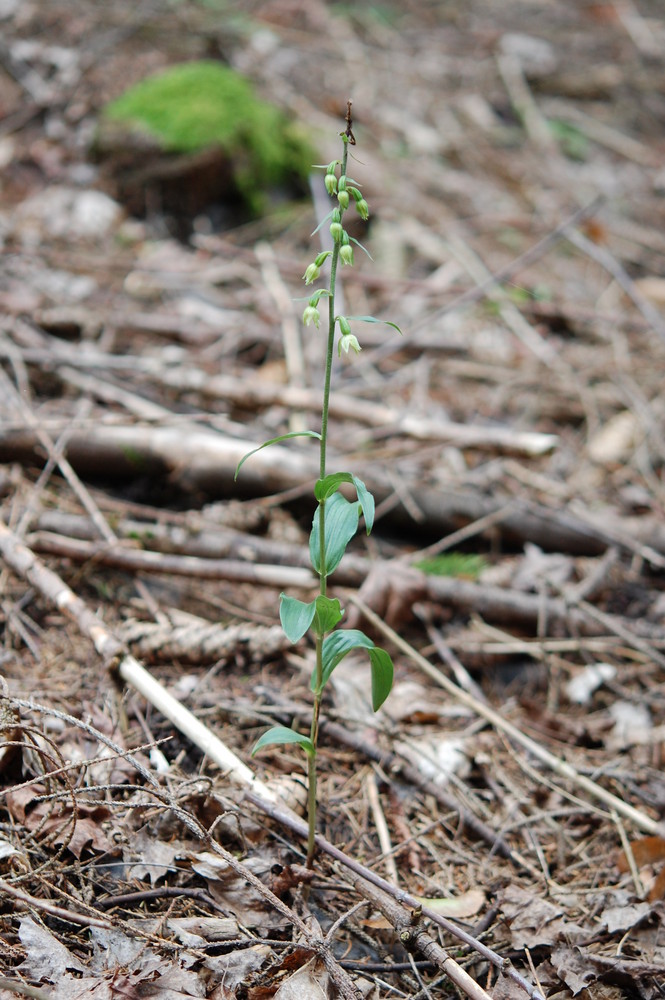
(323, 576)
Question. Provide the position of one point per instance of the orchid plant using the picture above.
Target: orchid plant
(336, 519)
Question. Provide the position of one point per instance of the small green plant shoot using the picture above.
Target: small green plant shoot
(336, 518)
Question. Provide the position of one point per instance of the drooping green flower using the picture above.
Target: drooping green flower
(311, 315)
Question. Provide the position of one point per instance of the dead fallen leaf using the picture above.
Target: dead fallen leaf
(535, 921)
(646, 851)
(573, 968)
(46, 957)
(309, 983)
(622, 918)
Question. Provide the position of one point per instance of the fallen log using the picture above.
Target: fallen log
(198, 460)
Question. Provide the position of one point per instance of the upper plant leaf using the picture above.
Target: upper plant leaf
(363, 248)
(341, 524)
(295, 616)
(281, 735)
(327, 487)
(282, 437)
(373, 319)
(322, 222)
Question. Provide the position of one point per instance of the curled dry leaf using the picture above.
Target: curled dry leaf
(467, 905)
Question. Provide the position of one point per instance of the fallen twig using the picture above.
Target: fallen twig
(556, 764)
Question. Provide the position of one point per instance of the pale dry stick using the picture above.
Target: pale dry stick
(601, 133)
(616, 536)
(261, 394)
(72, 917)
(24, 562)
(640, 891)
(381, 827)
(57, 457)
(508, 311)
(529, 256)
(476, 527)
(638, 29)
(556, 764)
(142, 408)
(610, 623)
(65, 467)
(534, 122)
(460, 673)
(54, 457)
(291, 329)
(146, 561)
(300, 827)
(614, 267)
(536, 648)
(23, 990)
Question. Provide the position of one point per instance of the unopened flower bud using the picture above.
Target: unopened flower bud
(336, 231)
(311, 315)
(312, 273)
(344, 325)
(346, 253)
(330, 182)
(349, 342)
(362, 209)
(341, 184)
(343, 199)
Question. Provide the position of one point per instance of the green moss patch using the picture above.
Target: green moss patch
(199, 105)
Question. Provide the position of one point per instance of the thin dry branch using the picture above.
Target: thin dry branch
(24, 562)
(405, 898)
(556, 764)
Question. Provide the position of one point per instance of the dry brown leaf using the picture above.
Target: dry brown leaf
(646, 851)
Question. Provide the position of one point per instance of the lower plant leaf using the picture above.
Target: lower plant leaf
(295, 616)
(382, 676)
(343, 641)
(281, 735)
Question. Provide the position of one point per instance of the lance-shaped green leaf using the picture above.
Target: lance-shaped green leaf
(281, 735)
(323, 221)
(325, 488)
(373, 319)
(295, 616)
(364, 249)
(266, 444)
(328, 614)
(341, 524)
(337, 645)
(382, 676)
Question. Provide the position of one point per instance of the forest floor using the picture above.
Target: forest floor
(513, 157)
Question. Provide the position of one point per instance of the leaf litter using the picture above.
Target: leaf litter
(522, 428)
